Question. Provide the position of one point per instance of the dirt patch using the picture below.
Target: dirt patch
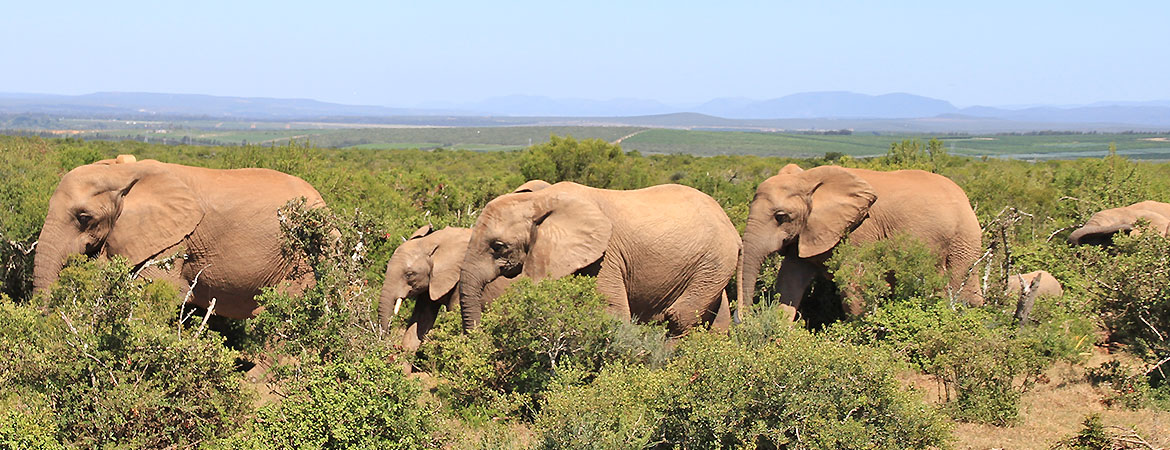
(1155, 139)
(983, 139)
(1055, 410)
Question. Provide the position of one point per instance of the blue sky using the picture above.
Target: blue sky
(405, 53)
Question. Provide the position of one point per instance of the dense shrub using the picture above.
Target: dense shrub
(335, 317)
(767, 385)
(592, 162)
(112, 365)
(367, 404)
(533, 334)
(1131, 290)
(900, 268)
(983, 359)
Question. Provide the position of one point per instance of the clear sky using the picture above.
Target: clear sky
(396, 53)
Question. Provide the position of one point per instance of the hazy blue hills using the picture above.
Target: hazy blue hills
(812, 110)
(838, 104)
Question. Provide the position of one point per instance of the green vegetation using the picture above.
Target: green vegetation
(108, 360)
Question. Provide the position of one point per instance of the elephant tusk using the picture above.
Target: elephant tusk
(397, 304)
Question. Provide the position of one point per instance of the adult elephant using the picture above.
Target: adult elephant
(222, 223)
(1101, 227)
(803, 214)
(660, 253)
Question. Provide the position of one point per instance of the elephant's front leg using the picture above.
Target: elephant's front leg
(612, 285)
(792, 281)
(421, 322)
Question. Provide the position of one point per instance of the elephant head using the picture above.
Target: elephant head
(808, 211)
(1101, 227)
(115, 207)
(549, 233)
(426, 268)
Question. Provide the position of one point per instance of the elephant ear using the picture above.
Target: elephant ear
(421, 232)
(569, 234)
(446, 264)
(532, 186)
(790, 169)
(157, 210)
(840, 201)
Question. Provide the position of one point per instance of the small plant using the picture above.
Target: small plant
(365, 404)
(1127, 387)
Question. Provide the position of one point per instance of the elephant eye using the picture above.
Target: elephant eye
(781, 217)
(498, 246)
(84, 219)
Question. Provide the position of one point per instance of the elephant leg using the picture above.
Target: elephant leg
(723, 317)
(421, 322)
(612, 285)
(701, 302)
(793, 279)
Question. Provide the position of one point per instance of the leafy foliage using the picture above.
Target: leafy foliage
(764, 386)
(113, 367)
(368, 404)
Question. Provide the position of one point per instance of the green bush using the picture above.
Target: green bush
(763, 386)
(335, 317)
(900, 268)
(367, 404)
(531, 335)
(1133, 296)
(114, 367)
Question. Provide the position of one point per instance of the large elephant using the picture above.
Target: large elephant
(1021, 284)
(804, 214)
(660, 253)
(1103, 225)
(223, 224)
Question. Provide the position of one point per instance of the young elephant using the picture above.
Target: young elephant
(1100, 228)
(426, 269)
(223, 223)
(1048, 286)
(660, 253)
(803, 214)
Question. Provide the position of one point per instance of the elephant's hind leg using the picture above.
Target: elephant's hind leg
(699, 304)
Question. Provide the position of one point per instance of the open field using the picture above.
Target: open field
(644, 140)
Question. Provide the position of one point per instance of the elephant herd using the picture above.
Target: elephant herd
(663, 253)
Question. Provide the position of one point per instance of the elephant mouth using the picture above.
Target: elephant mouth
(1097, 235)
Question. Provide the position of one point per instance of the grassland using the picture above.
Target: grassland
(645, 140)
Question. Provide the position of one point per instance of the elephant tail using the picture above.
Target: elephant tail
(738, 279)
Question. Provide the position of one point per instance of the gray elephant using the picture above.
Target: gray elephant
(1101, 227)
(1021, 284)
(223, 222)
(804, 214)
(660, 253)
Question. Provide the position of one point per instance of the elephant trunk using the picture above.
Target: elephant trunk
(51, 252)
(472, 281)
(390, 301)
(748, 272)
(1091, 234)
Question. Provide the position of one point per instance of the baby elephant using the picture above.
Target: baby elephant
(1048, 285)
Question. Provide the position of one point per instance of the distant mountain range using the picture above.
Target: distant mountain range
(898, 111)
